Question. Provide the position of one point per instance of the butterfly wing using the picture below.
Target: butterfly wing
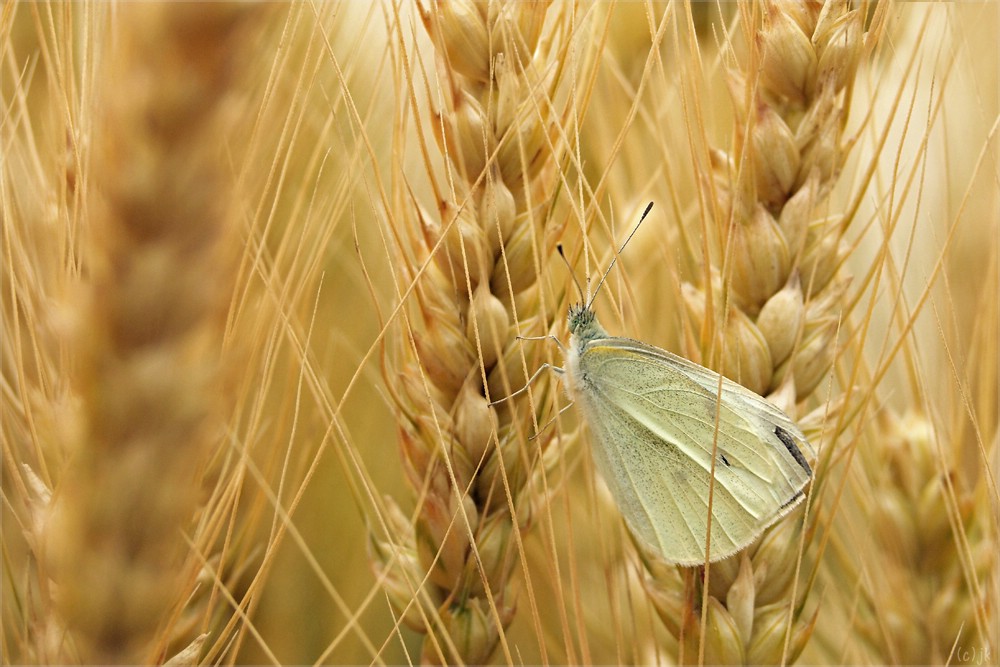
(653, 417)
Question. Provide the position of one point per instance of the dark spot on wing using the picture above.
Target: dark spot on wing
(794, 499)
(725, 460)
(793, 449)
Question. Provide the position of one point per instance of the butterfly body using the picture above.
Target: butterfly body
(657, 420)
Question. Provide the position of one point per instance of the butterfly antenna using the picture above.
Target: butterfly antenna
(562, 254)
(615, 258)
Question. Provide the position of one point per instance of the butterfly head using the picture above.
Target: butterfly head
(583, 324)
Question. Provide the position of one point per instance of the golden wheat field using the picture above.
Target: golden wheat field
(266, 268)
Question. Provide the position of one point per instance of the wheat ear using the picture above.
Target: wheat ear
(769, 303)
(928, 572)
(148, 336)
(475, 263)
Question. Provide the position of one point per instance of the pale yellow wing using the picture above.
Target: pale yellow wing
(653, 417)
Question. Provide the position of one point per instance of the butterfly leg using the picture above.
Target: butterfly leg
(534, 377)
(551, 421)
(549, 337)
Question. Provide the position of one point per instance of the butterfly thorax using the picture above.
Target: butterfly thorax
(583, 328)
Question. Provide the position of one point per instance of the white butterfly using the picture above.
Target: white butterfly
(652, 416)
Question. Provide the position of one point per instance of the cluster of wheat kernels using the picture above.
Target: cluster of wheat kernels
(487, 237)
(157, 251)
(768, 306)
